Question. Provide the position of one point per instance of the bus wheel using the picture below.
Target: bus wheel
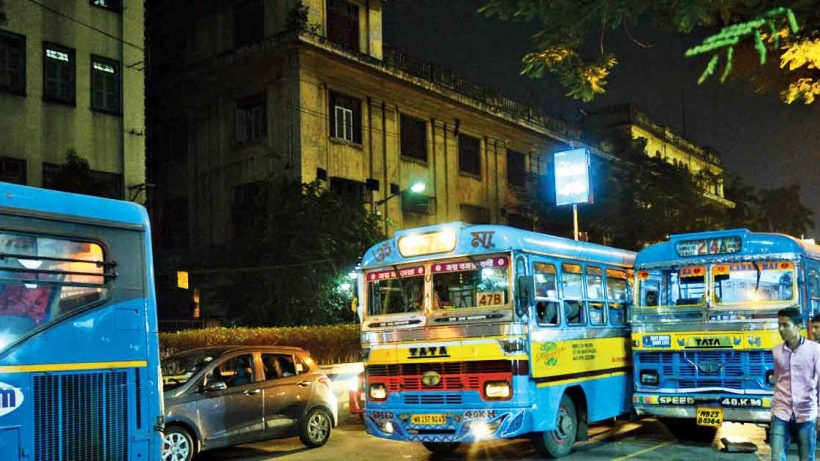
(177, 444)
(558, 442)
(687, 430)
(441, 448)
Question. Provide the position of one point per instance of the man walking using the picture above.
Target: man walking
(796, 372)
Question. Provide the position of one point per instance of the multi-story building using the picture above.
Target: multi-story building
(661, 141)
(71, 78)
(308, 90)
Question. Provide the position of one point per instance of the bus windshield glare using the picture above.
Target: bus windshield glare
(684, 286)
(472, 283)
(754, 282)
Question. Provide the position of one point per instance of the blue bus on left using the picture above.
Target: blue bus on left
(79, 353)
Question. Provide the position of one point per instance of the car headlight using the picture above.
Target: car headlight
(649, 377)
(378, 391)
(497, 390)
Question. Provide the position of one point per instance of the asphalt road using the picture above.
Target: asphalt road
(643, 440)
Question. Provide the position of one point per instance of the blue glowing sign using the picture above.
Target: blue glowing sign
(572, 177)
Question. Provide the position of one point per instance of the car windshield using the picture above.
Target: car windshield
(754, 283)
(395, 291)
(471, 283)
(179, 369)
(675, 287)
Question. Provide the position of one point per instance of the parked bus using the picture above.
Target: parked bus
(474, 332)
(79, 358)
(705, 323)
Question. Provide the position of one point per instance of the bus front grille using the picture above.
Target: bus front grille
(81, 416)
(732, 369)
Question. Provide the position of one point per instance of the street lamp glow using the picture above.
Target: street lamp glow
(418, 187)
(345, 286)
(352, 275)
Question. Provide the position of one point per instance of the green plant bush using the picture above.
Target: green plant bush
(327, 344)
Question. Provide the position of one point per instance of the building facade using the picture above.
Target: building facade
(72, 78)
(308, 90)
(661, 141)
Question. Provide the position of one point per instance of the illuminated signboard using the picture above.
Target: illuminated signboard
(715, 246)
(442, 241)
(572, 177)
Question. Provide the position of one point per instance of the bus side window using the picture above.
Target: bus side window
(813, 281)
(617, 295)
(595, 293)
(573, 283)
(546, 312)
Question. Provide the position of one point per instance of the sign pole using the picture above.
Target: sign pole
(575, 221)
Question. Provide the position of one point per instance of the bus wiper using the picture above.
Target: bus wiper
(757, 282)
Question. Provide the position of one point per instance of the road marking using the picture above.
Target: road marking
(645, 450)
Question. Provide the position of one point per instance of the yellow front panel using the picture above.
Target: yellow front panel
(764, 339)
(441, 351)
(559, 358)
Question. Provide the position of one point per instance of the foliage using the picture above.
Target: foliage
(327, 344)
(298, 19)
(293, 244)
(779, 209)
(75, 176)
(3, 17)
(570, 42)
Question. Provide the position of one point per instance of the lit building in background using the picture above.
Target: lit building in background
(72, 77)
(661, 141)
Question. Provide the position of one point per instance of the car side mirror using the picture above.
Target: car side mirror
(523, 294)
(215, 386)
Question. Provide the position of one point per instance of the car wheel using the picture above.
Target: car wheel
(441, 448)
(314, 429)
(177, 444)
(558, 442)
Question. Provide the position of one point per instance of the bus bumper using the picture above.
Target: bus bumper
(463, 425)
(649, 405)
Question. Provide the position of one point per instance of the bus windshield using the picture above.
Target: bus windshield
(471, 283)
(754, 282)
(395, 291)
(684, 286)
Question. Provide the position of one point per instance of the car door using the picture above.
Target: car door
(233, 414)
(287, 391)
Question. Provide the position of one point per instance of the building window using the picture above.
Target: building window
(58, 74)
(343, 23)
(249, 213)
(99, 183)
(248, 23)
(345, 117)
(251, 119)
(413, 138)
(474, 214)
(469, 155)
(12, 63)
(516, 169)
(348, 190)
(13, 170)
(105, 85)
(113, 5)
(418, 203)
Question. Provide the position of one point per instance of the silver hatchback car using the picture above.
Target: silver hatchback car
(229, 395)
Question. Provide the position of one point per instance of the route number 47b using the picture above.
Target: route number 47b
(490, 298)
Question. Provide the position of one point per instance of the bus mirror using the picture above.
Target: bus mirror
(523, 294)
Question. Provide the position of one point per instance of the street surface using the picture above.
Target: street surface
(644, 440)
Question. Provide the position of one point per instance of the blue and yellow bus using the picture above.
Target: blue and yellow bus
(705, 322)
(79, 359)
(474, 332)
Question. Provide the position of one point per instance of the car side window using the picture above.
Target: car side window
(235, 371)
(281, 366)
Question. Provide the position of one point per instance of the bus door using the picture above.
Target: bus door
(545, 317)
(813, 287)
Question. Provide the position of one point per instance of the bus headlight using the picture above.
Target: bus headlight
(377, 391)
(649, 377)
(497, 390)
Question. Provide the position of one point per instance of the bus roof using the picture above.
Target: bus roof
(678, 248)
(489, 238)
(80, 207)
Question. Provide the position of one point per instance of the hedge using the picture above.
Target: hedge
(327, 344)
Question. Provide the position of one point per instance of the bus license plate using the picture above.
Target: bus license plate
(709, 416)
(428, 420)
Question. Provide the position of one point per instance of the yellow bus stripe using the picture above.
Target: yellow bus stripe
(72, 366)
(581, 379)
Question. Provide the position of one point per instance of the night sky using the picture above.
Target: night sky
(765, 141)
